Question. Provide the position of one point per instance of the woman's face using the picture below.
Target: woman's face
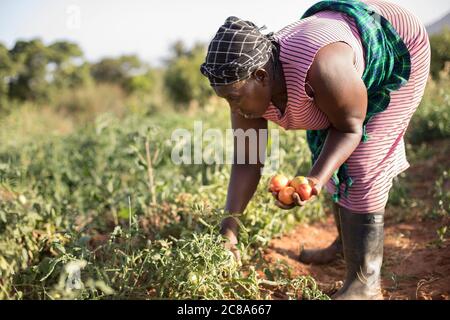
(250, 97)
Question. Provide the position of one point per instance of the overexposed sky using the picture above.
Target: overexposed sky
(147, 28)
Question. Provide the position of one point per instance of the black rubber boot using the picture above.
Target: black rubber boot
(326, 255)
(362, 238)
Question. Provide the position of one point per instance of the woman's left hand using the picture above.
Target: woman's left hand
(315, 191)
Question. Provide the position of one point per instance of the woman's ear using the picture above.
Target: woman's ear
(261, 75)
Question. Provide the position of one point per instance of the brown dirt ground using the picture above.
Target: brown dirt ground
(415, 265)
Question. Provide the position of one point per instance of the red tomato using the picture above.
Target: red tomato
(285, 195)
(297, 181)
(278, 182)
(302, 187)
(304, 191)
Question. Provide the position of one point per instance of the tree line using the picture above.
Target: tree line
(33, 71)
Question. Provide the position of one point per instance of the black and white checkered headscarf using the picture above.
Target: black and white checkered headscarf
(237, 49)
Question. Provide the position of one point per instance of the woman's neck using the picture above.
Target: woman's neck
(279, 92)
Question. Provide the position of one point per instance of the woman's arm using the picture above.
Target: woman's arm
(244, 177)
(340, 93)
(243, 182)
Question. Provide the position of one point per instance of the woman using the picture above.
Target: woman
(351, 73)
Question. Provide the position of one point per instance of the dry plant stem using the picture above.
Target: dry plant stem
(151, 185)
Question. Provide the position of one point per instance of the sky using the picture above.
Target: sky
(148, 28)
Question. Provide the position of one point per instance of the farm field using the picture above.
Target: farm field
(96, 209)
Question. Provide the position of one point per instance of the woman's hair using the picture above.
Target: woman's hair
(237, 49)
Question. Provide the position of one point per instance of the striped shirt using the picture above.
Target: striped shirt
(375, 163)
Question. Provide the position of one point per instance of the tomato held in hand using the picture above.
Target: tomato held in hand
(285, 195)
(278, 182)
(304, 191)
(297, 181)
(302, 187)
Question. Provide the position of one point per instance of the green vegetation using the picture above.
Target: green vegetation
(432, 118)
(183, 79)
(86, 182)
(440, 55)
(63, 193)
